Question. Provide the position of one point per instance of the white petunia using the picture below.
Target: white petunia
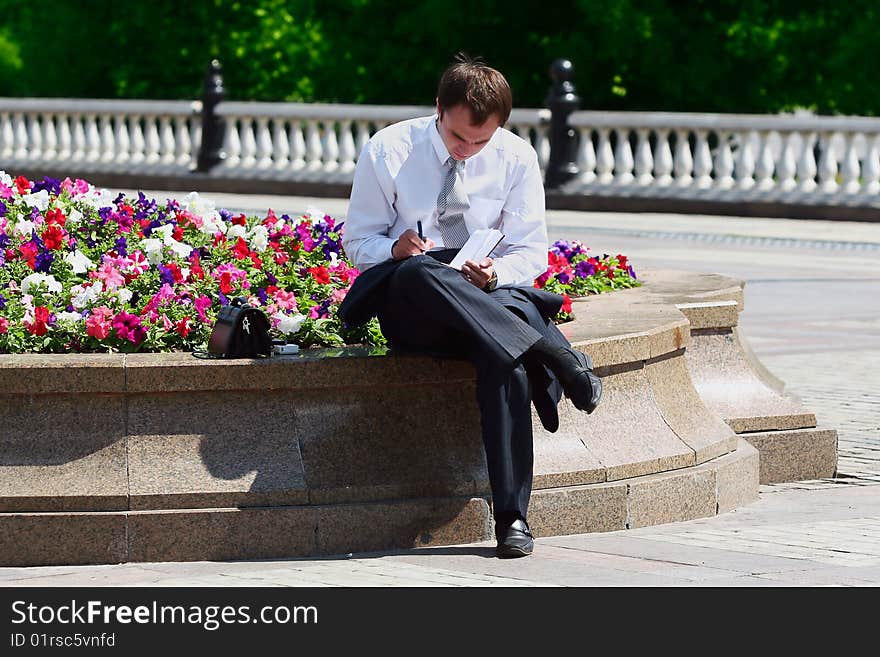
(24, 228)
(165, 231)
(289, 323)
(5, 178)
(153, 247)
(79, 262)
(99, 198)
(83, 297)
(212, 223)
(259, 238)
(74, 216)
(69, 317)
(40, 279)
(124, 294)
(182, 250)
(235, 231)
(315, 214)
(40, 200)
(194, 203)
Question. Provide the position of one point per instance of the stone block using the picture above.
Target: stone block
(795, 455)
(344, 528)
(62, 453)
(710, 314)
(737, 477)
(209, 449)
(578, 509)
(683, 410)
(392, 442)
(39, 374)
(728, 385)
(221, 534)
(627, 433)
(671, 497)
(49, 539)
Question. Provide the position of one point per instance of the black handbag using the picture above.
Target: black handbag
(241, 331)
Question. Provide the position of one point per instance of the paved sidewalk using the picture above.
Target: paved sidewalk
(812, 314)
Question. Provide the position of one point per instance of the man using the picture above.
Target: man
(420, 188)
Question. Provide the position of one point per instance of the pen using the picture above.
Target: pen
(421, 235)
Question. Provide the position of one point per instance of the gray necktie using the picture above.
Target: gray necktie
(451, 205)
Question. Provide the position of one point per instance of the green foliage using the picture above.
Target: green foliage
(702, 55)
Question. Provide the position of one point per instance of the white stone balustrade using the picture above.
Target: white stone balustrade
(787, 158)
(84, 136)
(321, 143)
(728, 157)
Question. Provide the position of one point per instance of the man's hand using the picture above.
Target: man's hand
(409, 244)
(478, 273)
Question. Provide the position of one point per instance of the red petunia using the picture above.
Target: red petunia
(55, 216)
(320, 274)
(226, 282)
(258, 264)
(29, 252)
(239, 220)
(40, 324)
(23, 185)
(183, 326)
(241, 250)
(177, 233)
(53, 237)
(566, 303)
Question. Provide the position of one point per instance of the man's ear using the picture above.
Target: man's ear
(439, 111)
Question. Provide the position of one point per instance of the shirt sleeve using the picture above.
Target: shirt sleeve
(370, 212)
(524, 248)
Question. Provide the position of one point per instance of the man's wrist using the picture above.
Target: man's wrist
(492, 283)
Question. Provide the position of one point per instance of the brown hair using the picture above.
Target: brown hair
(482, 89)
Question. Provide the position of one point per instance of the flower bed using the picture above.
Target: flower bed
(83, 270)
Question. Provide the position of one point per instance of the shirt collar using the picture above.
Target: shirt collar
(437, 141)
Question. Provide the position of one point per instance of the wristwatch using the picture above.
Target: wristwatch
(492, 283)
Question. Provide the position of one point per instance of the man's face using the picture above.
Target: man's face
(461, 138)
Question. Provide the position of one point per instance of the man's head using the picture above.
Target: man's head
(473, 100)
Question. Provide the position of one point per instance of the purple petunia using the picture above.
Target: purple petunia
(51, 185)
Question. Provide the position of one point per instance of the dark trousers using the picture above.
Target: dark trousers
(429, 308)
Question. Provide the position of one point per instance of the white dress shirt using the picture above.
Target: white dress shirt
(398, 178)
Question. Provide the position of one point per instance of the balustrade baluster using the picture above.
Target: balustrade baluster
(152, 139)
(787, 166)
(182, 142)
(232, 143)
(702, 161)
(64, 138)
(604, 158)
(807, 164)
(264, 143)
(764, 166)
(35, 137)
(50, 140)
(850, 170)
(827, 164)
(745, 161)
(362, 137)
(330, 147)
(137, 139)
(542, 146)
(683, 162)
(724, 163)
(248, 143)
(108, 143)
(123, 143)
(297, 145)
(623, 158)
(280, 144)
(313, 146)
(644, 163)
(871, 167)
(662, 159)
(586, 160)
(7, 136)
(93, 138)
(167, 155)
(347, 153)
(78, 153)
(19, 128)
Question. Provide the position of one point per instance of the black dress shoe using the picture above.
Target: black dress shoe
(514, 540)
(574, 369)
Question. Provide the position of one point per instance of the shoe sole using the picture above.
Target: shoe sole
(512, 552)
(578, 400)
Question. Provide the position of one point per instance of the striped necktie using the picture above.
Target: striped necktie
(451, 205)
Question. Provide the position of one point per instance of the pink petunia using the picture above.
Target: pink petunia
(110, 275)
(128, 327)
(98, 323)
(4, 325)
(285, 299)
(202, 304)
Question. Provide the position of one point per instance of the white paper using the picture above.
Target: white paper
(479, 245)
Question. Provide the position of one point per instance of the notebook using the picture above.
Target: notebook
(480, 244)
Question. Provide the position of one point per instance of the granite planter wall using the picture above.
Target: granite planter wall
(152, 457)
